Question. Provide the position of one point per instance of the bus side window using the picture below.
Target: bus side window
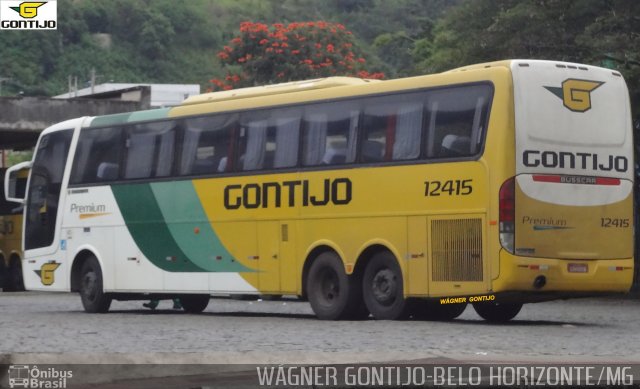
(98, 156)
(255, 133)
(269, 139)
(286, 140)
(150, 150)
(393, 128)
(140, 152)
(329, 136)
(456, 119)
(206, 144)
(166, 152)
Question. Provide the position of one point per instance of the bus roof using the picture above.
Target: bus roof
(503, 63)
(275, 89)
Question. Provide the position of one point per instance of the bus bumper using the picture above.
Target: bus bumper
(557, 276)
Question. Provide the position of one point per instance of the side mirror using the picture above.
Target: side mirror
(11, 182)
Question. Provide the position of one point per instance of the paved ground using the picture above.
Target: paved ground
(52, 328)
(55, 323)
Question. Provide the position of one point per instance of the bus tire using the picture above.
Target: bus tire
(333, 295)
(15, 282)
(497, 312)
(382, 288)
(94, 300)
(194, 303)
(433, 311)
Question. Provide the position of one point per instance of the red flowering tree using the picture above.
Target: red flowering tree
(262, 54)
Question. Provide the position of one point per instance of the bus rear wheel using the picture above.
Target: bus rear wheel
(382, 288)
(194, 303)
(94, 300)
(497, 312)
(334, 295)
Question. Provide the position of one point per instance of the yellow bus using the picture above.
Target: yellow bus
(11, 238)
(496, 184)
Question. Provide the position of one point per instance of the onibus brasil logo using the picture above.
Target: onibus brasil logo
(25, 376)
(575, 93)
(28, 15)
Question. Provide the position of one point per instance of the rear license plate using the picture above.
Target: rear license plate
(578, 268)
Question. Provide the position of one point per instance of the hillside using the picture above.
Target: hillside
(169, 41)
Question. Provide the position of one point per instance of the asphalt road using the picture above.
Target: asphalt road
(53, 328)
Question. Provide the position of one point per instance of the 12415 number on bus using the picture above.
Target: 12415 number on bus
(449, 188)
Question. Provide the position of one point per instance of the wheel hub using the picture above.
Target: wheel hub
(89, 285)
(384, 286)
(330, 287)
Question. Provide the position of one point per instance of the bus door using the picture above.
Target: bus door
(46, 266)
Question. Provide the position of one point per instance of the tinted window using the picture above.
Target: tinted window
(207, 146)
(440, 123)
(329, 133)
(98, 156)
(269, 139)
(392, 128)
(457, 117)
(150, 150)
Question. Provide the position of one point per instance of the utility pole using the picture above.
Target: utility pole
(73, 86)
(93, 79)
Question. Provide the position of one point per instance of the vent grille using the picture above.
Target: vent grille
(456, 250)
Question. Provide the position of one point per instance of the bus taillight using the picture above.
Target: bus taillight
(507, 214)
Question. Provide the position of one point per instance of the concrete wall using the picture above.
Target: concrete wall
(22, 118)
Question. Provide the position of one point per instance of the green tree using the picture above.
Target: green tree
(613, 40)
(598, 32)
(393, 28)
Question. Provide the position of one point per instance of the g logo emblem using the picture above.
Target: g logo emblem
(47, 272)
(575, 94)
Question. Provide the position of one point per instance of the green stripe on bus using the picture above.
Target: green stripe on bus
(146, 225)
(107, 120)
(128, 117)
(191, 229)
(151, 114)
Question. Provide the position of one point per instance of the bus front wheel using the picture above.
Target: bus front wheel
(194, 303)
(334, 295)
(497, 312)
(94, 300)
(382, 287)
